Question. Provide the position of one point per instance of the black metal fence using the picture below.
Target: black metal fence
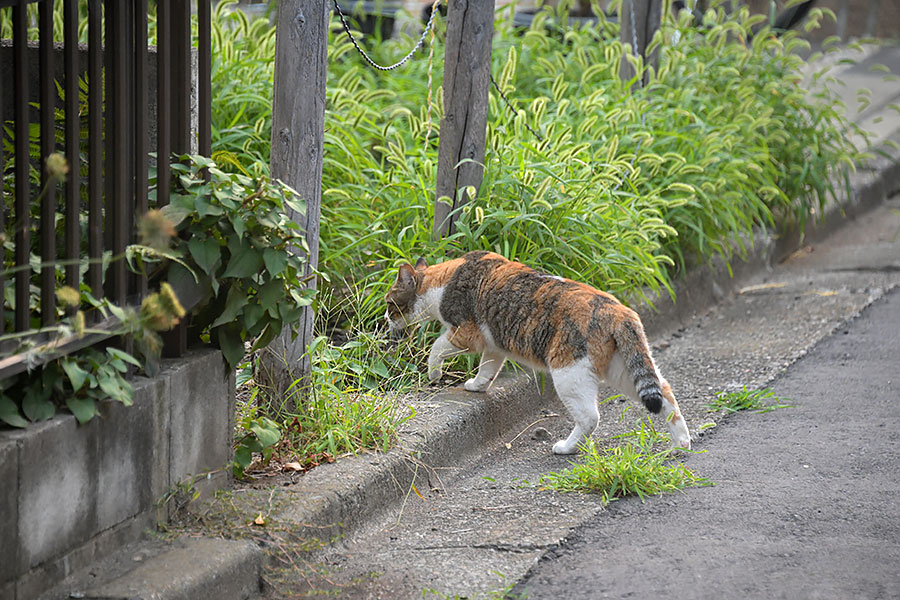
(98, 104)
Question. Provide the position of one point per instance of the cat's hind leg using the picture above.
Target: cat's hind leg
(678, 431)
(618, 376)
(577, 386)
(491, 363)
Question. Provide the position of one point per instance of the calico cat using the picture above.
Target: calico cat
(503, 309)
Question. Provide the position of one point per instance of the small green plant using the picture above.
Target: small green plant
(259, 435)
(327, 419)
(760, 401)
(332, 422)
(634, 468)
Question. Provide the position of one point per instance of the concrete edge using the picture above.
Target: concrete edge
(113, 492)
(190, 568)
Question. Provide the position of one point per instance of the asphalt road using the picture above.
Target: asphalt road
(806, 502)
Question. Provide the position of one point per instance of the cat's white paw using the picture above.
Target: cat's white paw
(561, 447)
(434, 375)
(474, 386)
(681, 443)
(681, 437)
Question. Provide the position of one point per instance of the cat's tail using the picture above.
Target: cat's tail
(631, 343)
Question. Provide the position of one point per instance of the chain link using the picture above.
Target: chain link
(362, 52)
(513, 110)
(429, 125)
(634, 47)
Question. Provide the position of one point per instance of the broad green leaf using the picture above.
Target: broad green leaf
(234, 304)
(243, 456)
(303, 297)
(253, 315)
(206, 208)
(230, 342)
(267, 335)
(36, 404)
(9, 413)
(111, 384)
(270, 293)
(266, 436)
(245, 262)
(77, 375)
(121, 355)
(175, 213)
(275, 261)
(206, 253)
(84, 409)
(240, 227)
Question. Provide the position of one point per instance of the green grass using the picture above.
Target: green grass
(632, 469)
(760, 401)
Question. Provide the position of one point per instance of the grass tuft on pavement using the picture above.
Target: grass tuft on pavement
(760, 401)
(633, 469)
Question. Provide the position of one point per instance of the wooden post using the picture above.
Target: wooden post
(298, 132)
(467, 69)
(646, 18)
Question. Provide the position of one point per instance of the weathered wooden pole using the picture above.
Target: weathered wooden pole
(298, 131)
(467, 70)
(638, 21)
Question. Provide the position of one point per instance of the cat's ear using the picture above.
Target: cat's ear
(406, 276)
(421, 264)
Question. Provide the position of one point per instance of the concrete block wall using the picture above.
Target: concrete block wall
(71, 494)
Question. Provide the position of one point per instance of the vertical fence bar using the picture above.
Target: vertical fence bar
(204, 76)
(95, 147)
(163, 100)
(22, 223)
(176, 340)
(141, 121)
(73, 142)
(2, 225)
(181, 77)
(48, 146)
(2, 228)
(125, 234)
(117, 163)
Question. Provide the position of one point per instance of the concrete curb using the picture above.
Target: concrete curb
(185, 569)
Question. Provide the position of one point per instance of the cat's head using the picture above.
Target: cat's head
(401, 298)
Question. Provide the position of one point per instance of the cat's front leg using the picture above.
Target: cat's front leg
(442, 349)
(491, 363)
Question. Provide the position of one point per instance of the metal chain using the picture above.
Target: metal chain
(371, 62)
(634, 46)
(429, 126)
(513, 110)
